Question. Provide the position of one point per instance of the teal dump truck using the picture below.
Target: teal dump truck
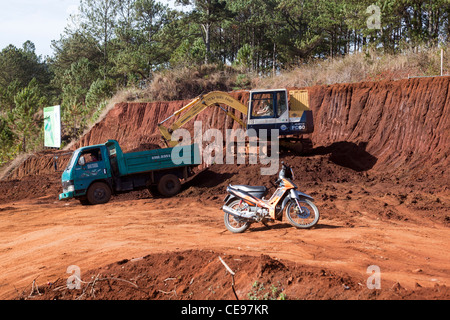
(96, 172)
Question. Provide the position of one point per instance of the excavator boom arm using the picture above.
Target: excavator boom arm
(195, 107)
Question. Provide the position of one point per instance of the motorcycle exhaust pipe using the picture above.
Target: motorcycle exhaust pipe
(235, 213)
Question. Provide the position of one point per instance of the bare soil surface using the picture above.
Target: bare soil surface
(378, 173)
(140, 247)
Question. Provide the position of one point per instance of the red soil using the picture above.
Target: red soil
(378, 172)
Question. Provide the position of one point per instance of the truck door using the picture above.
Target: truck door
(91, 166)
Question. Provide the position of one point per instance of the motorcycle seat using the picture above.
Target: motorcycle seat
(246, 188)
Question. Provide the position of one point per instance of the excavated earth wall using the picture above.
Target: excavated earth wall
(400, 127)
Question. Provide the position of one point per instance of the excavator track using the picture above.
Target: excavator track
(300, 146)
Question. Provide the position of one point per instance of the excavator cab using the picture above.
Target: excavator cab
(276, 109)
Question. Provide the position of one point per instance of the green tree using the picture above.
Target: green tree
(99, 91)
(17, 68)
(244, 57)
(207, 13)
(7, 138)
(98, 20)
(77, 80)
(22, 119)
(189, 52)
(71, 48)
(7, 95)
(75, 85)
(151, 17)
(140, 50)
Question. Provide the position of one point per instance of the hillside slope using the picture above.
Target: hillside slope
(402, 124)
(395, 127)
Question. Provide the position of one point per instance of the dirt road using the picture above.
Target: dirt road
(41, 238)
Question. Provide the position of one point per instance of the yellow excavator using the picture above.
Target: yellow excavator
(287, 111)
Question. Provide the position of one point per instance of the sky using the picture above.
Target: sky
(39, 21)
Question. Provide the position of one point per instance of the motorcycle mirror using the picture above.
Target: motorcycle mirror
(81, 161)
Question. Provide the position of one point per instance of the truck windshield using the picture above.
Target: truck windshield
(72, 160)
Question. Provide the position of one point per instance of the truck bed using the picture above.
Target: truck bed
(158, 159)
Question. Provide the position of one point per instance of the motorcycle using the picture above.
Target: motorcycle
(245, 205)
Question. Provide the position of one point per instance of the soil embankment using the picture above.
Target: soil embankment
(390, 126)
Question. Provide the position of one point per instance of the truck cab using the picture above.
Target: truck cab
(88, 164)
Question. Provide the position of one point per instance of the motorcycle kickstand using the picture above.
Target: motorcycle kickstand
(265, 224)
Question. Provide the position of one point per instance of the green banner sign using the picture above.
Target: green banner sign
(52, 127)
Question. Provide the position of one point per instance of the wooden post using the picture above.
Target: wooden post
(232, 276)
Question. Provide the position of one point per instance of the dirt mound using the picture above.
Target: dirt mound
(135, 124)
(397, 125)
(40, 163)
(38, 175)
(309, 170)
(330, 180)
(199, 275)
(30, 187)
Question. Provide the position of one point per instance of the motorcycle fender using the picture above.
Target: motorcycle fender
(295, 194)
(228, 197)
(301, 195)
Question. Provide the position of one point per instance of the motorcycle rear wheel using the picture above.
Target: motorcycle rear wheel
(232, 223)
(305, 217)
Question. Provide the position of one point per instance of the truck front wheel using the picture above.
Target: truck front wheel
(169, 185)
(98, 193)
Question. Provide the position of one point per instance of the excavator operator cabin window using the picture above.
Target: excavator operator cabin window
(262, 105)
(268, 104)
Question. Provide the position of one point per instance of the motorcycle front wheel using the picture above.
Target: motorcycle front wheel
(303, 217)
(236, 224)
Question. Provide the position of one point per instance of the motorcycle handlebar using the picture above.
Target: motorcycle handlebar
(285, 169)
(285, 165)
